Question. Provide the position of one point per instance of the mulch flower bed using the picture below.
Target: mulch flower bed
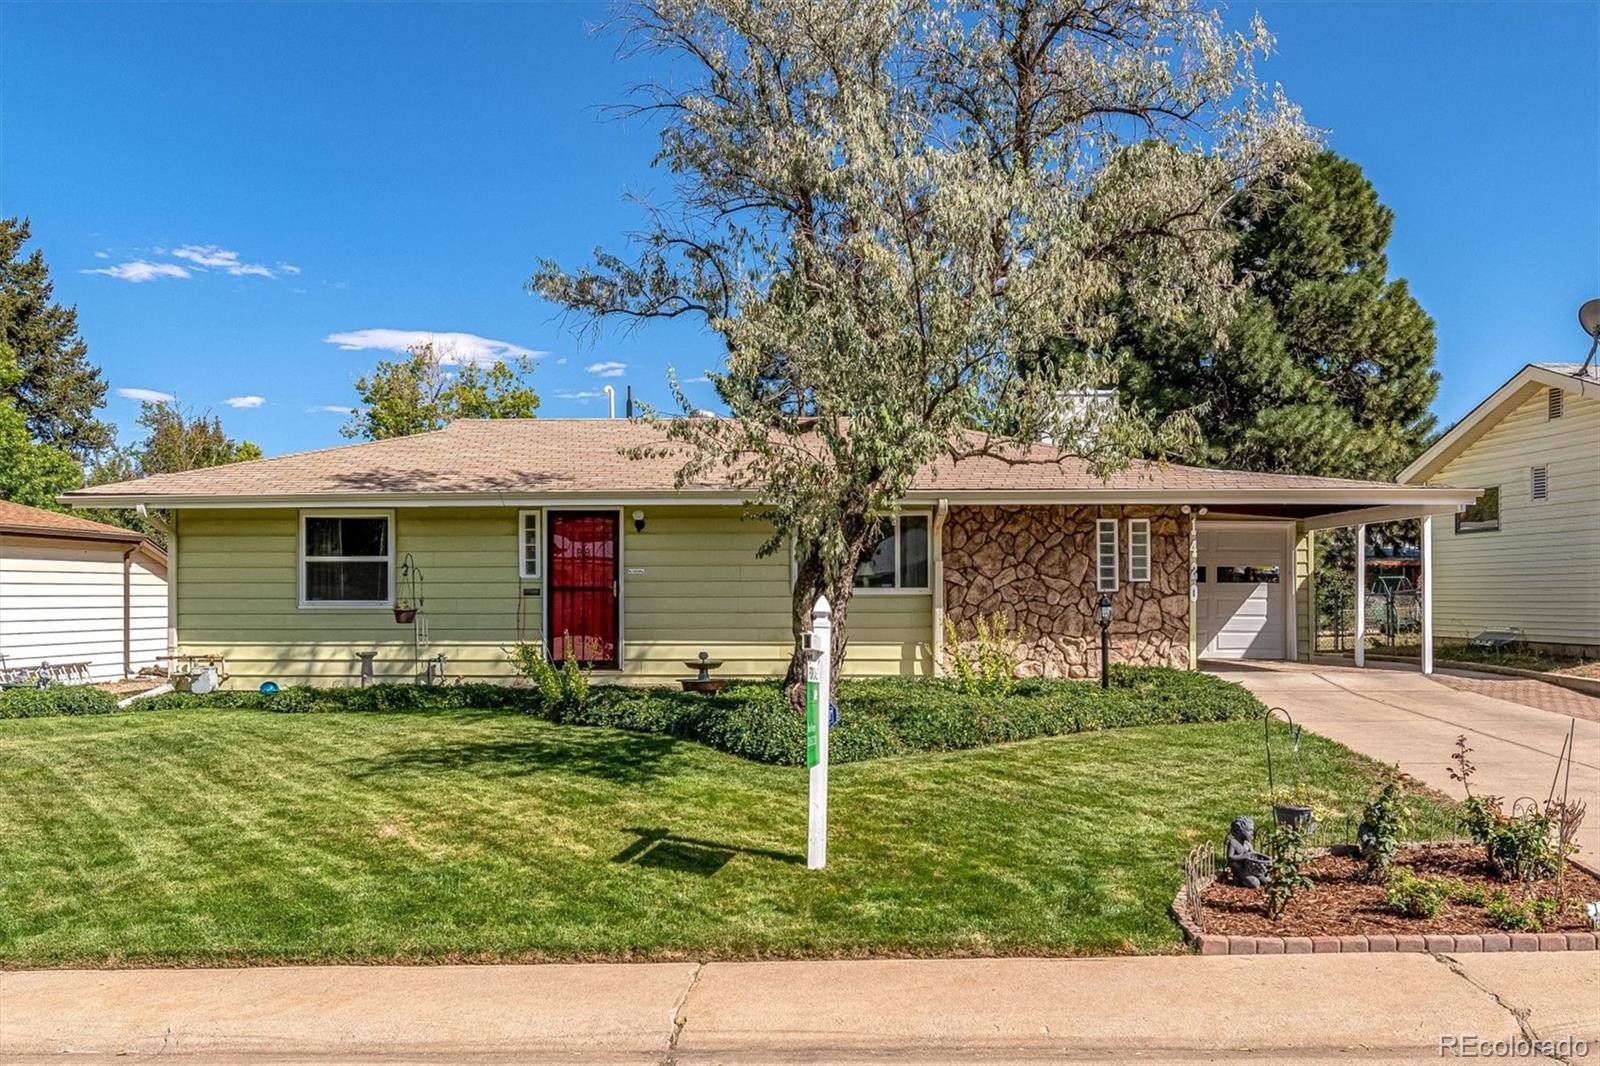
(1343, 902)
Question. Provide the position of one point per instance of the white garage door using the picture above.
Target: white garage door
(1239, 613)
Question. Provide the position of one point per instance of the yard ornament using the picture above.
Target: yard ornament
(1248, 866)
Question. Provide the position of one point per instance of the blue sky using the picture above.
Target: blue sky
(348, 171)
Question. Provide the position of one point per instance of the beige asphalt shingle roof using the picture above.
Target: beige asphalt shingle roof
(18, 518)
(550, 456)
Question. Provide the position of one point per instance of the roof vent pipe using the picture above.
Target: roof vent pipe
(611, 398)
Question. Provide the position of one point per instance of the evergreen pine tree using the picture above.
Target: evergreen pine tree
(1329, 368)
(57, 390)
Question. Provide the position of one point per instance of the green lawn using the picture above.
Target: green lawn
(213, 836)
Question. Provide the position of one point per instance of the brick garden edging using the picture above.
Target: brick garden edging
(1368, 943)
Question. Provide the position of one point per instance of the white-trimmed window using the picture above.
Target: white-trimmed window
(347, 559)
(528, 544)
(898, 558)
(1539, 483)
(1481, 516)
(1138, 549)
(1106, 548)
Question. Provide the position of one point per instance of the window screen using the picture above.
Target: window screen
(347, 559)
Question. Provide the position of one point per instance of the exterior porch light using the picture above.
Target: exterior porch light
(1103, 617)
(638, 521)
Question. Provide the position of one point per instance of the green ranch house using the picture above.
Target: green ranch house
(289, 569)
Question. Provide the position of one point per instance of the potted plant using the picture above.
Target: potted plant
(404, 611)
(1294, 809)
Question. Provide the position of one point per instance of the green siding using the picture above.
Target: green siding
(703, 587)
(1305, 593)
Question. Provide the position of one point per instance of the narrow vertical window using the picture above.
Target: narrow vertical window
(1138, 549)
(1540, 489)
(1557, 403)
(528, 544)
(1106, 542)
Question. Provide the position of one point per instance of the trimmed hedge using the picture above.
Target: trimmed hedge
(877, 718)
(55, 701)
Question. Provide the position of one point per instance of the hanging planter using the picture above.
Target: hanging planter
(1294, 807)
(406, 607)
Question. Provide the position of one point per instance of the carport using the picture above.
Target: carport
(1250, 586)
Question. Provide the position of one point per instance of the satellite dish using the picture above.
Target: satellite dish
(1589, 319)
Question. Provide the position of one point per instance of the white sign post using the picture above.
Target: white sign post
(819, 700)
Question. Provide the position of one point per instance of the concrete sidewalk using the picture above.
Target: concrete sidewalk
(1399, 716)
(1280, 1009)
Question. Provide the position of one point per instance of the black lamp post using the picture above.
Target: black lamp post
(1103, 616)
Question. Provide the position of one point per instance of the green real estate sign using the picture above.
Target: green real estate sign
(813, 720)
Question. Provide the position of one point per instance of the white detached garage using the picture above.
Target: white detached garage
(80, 595)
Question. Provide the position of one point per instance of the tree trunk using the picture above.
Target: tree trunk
(810, 582)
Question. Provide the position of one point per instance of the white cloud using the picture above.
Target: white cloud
(210, 255)
(452, 347)
(245, 401)
(331, 408)
(146, 395)
(562, 361)
(582, 396)
(138, 270)
(288, 268)
(102, 255)
(607, 370)
(701, 380)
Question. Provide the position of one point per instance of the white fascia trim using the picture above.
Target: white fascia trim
(1375, 515)
(412, 499)
(1378, 495)
(1489, 410)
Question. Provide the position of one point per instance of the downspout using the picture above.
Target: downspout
(1194, 587)
(169, 531)
(127, 609)
(940, 513)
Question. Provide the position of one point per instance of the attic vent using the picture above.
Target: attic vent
(1556, 396)
(1541, 482)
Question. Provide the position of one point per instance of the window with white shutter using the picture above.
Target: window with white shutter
(1106, 542)
(1138, 549)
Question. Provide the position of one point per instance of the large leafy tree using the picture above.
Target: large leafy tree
(1328, 369)
(888, 209)
(56, 388)
(31, 473)
(175, 439)
(426, 389)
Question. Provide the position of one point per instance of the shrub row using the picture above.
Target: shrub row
(753, 720)
(55, 701)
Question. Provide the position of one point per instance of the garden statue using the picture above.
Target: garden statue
(1248, 866)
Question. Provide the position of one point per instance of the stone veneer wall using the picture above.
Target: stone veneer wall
(1037, 565)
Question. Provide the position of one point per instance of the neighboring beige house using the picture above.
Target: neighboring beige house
(87, 598)
(291, 568)
(1526, 556)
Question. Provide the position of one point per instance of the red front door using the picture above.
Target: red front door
(583, 587)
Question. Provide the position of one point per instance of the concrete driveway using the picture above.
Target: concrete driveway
(1397, 715)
